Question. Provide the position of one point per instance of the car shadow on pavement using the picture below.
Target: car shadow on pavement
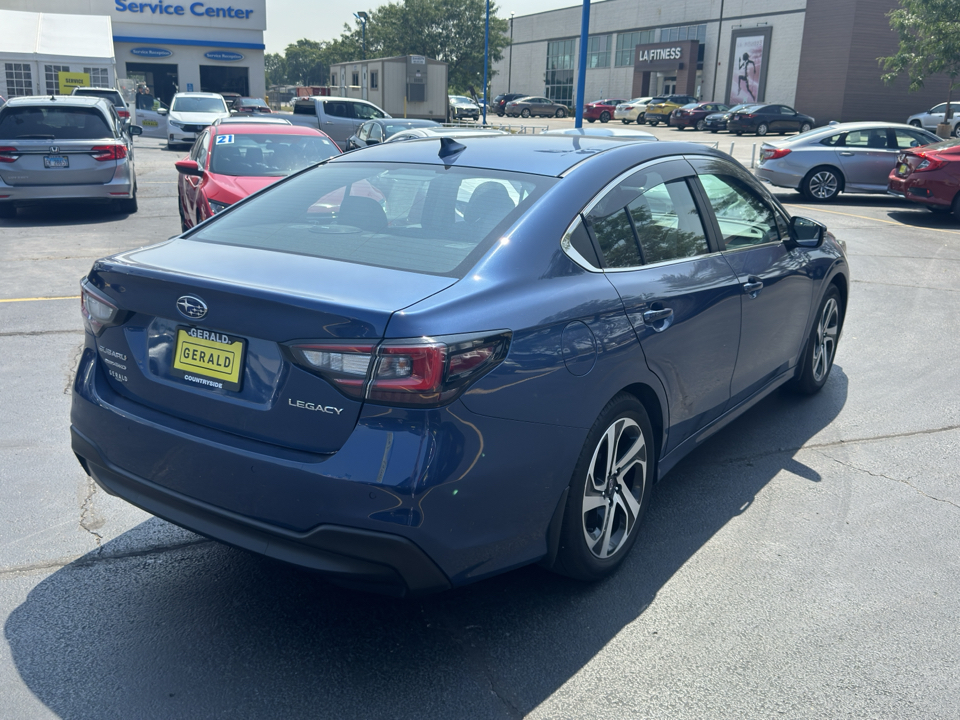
(64, 214)
(205, 630)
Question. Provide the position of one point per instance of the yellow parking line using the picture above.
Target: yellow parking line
(65, 297)
(865, 217)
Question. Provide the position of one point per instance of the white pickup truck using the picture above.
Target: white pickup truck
(338, 117)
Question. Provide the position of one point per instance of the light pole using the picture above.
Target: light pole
(486, 61)
(510, 62)
(362, 17)
(582, 76)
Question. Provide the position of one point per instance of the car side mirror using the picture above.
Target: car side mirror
(134, 130)
(806, 233)
(162, 111)
(188, 167)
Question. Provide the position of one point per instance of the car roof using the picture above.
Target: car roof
(610, 132)
(551, 155)
(254, 128)
(95, 89)
(70, 100)
(198, 94)
(262, 119)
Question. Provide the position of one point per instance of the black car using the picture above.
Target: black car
(718, 120)
(374, 132)
(763, 119)
(500, 102)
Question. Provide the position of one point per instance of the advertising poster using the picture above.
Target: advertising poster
(749, 57)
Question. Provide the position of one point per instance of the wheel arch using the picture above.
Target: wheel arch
(826, 166)
(651, 402)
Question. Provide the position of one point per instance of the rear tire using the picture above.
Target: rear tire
(654, 123)
(714, 132)
(762, 129)
(525, 113)
(701, 125)
(128, 206)
(805, 127)
(625, 121)
(609, 492)
(561, 113)
(956, 206)
(822, 184)
(956, 130)
(591, 120)
(605, 117)
(915, 123)
(822, 346)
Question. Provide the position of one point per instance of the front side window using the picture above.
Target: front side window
(366, 112)
(913, 138)
(426, 219)
(338, 108)
(744, 218)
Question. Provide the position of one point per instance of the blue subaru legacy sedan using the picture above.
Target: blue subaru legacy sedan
(419, 365)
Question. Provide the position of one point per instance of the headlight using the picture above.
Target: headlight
(175, 124)
(217, 207)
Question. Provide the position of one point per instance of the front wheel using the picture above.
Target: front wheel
(762, 129)
(609, 492)
(701, 125)
(604, 117)
(561, 113)
(956, 130)
(822, 345)
(805, 127)
(915, 123)
(591, 120)
(525, 113)
(654, 123)
(822, 184)
(499, 114)
(625, 121)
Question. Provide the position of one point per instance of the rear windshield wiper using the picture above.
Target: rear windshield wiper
(34, 137)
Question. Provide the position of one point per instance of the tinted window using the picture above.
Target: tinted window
(667, 223)
(912, 138)
(410, 217)
(615, 237)
(112, 95)
(874, 139)
(338, 108)
(305, 108)
(366, 112)
(268, 155)
(199, 105)
(59, 123)
(744, 218)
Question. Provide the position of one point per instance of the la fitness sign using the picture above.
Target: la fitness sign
(657, 57)
(197, 9)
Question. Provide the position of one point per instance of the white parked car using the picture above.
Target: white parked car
(934, 116)
(634, 110)
(190, 113)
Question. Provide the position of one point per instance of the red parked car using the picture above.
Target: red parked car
(230, 161)
(929, 175)
(601, 110)
(694, 115)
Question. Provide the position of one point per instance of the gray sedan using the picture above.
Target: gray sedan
(534, 105)
(841, 157)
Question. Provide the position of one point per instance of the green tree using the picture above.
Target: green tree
(451, 31)
(929, 32)
(305, 63)
(275, 66)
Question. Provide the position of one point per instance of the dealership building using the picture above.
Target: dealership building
(819, 56)
(171, 45)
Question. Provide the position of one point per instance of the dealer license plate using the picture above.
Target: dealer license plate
(210, 359)
(56, 161)
(903, 169)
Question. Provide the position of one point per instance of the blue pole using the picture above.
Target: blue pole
(582, 72)
(486, 61)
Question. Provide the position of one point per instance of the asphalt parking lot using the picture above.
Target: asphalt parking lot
(803, 563)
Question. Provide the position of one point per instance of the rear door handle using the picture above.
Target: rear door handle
(846, 152)
(753, 286)
(654, 316)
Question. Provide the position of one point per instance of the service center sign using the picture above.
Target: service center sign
(246, 14)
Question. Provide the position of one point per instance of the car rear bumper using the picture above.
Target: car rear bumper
(120, 188)
(653, 117)
(626, 114)
(780, 179)
(682, 121)
(920, 191)
(413, 502)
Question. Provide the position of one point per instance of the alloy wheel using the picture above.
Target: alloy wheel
(828, 328)
(823, 185)
(614, 488)
(701, 124)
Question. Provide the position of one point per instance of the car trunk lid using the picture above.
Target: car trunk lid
(256, 303)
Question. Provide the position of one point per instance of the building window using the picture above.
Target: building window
(333, 79)
(99, 77)
(53, 80)
(627, 44)
(355, 79)
(686, 32)
(374, 80)
(19, 79)
(598, 51)
(559, 76)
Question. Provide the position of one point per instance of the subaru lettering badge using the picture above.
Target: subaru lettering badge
(192, 307)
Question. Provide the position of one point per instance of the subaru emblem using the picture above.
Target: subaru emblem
(192, 307)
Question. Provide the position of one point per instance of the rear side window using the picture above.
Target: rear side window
(305, 108)
(112, 95)
(420, 218)
(57, 123)
(338, 108)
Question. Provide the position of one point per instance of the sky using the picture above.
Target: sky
(290, 20)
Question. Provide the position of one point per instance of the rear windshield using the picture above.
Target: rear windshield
(419, 218)
(198, 105)
(268, 155)
(57, 123)
(112, 95)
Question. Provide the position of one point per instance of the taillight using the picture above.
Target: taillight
(421, 372)
(8, 154)
(109, 152)
(774, 153)
(929, 162)
(124, 114)
(97, 310)
(749, 115)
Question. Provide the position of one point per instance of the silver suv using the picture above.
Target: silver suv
(929, 119)
(127, 113)
(65, 148)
